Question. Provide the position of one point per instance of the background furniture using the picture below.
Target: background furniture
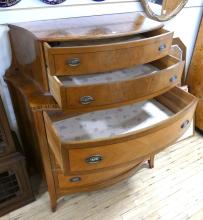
(63, 73)
(195, 77)
(15, 190)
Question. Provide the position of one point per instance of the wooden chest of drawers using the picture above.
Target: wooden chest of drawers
(97, 95)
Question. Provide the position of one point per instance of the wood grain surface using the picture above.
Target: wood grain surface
(108, 56)
(119, 91)
(91, 27)
(124, 148)
(195, 77)
(172, 190)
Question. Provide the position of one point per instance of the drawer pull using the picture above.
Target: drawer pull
(85, 100)
(185, 124)
(73, 62)
(173, 79)
(75, 179)
(162, 47)
(94, 159)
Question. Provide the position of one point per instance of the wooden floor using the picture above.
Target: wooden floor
(173, 190)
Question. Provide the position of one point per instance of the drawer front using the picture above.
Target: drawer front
(66, 182)
(119, 91)
(140, 147)
(106, 57)
(101, 152)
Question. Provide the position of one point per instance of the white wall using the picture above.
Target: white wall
(185, 24)
(28, 10)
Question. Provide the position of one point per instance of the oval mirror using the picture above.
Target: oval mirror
(162, 10)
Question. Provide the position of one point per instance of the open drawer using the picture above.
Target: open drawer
(111, 137)
(96, 56)
(136, 83)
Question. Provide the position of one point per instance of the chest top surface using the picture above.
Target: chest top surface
(92, 27)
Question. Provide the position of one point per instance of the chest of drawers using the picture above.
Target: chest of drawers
(96, 96)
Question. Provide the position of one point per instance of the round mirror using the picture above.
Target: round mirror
(162, 10)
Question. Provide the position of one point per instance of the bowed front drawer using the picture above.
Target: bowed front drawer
(132, 84)
(96, 56)
(81, 182)
(108, 138)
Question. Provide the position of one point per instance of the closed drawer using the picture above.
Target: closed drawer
(68, 182)
(87, 57)
(117, 86)
(109, 138)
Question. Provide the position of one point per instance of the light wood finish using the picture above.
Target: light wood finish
(124, 148)
(179, 50)
(168, 5)
(37, 102)
(64, 182)
(92, 181)
(27, 38)
(120, 91)
(27, 56)
(108, 56)
(42, 142)
(107, 42)
(90, 27)
(18, 87)
(195, 78)
(172, 190)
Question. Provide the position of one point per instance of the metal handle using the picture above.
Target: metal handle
(85, 100)
(94, 159)
(73, 62)
(162, 47)
(185, 124)
(173, 78)
(75, 179)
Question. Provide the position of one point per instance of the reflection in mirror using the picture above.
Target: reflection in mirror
(162, 10)
(156, 6)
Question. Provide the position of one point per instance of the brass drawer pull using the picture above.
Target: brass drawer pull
(85, 100)
(94, 159)
(162, 47)
(173, 79)
(75, 179)
(73, 62)
(185, 124)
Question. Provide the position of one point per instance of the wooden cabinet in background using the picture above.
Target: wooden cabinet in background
(195, 77)
(15, 189)
(96, 96)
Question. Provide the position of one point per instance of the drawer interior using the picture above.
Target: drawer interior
(126, 39)
(108, 77)
(119, 75)
(113, 122)
(123, 120)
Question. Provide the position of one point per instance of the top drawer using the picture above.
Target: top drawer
(86, 57)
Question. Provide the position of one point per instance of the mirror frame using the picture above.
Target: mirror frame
(167, 17)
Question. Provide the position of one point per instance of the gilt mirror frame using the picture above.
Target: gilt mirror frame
(166, 17)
